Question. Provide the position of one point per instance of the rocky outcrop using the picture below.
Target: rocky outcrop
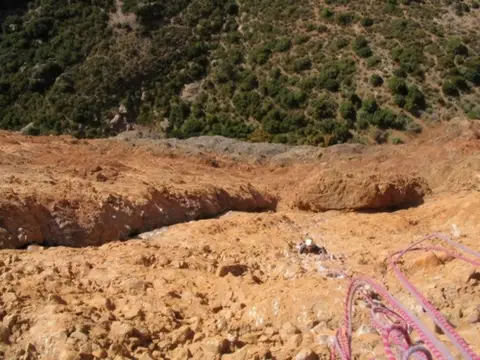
(85, 223)
(333, 190)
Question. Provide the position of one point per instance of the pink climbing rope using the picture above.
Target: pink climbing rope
(395, 322)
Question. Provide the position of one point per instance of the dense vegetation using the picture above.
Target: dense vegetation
(291, 71)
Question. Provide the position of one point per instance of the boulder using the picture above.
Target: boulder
(120, 331)
(306, 354)
(234, 269)
(332, 190)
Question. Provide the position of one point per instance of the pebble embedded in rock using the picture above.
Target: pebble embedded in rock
(474, 317)
(181, 353)
(306, 354)
(287, 330)
(241, 354)
(100, 353)
(182, 335)
(86, 349)
(68, 354)
(79, 336)
(216, 345)
(294, 341)
(120, 331)
(132, 313)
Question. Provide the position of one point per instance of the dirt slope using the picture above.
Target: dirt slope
(231, 286)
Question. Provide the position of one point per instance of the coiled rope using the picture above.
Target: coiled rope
(395, 322)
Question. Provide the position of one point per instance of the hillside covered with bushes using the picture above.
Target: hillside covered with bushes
(289, 71)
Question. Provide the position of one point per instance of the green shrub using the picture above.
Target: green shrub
(348, 111)
(290, 99)
(192, 127)
(359, 42)
(282, 45)
(332, 74)
(397, 86)
(456, 47)
(324, 108)
(364, 52)
(260, 54)
(301, 39)
(248, 82)
(247, 103)
(338, 43)
(397, 141)
(446, 62)
(273, 122)
(363, 120)
(327, 13)
(376, 80)
(415, 100)
(460, 83)
(344, 18)
(322, 28)
(310, 27)
(302, 64)
(307, 84)
(471, 70)
(410, 57)
(399, 100)
(361, 48)
(369, 105)
(400, 73)
(354, 99)
(449, 88)
(373, 61)
(384, 119)
(340, 134)
(44, 76)
(366, 22)
(178, 114)
(232, 8)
